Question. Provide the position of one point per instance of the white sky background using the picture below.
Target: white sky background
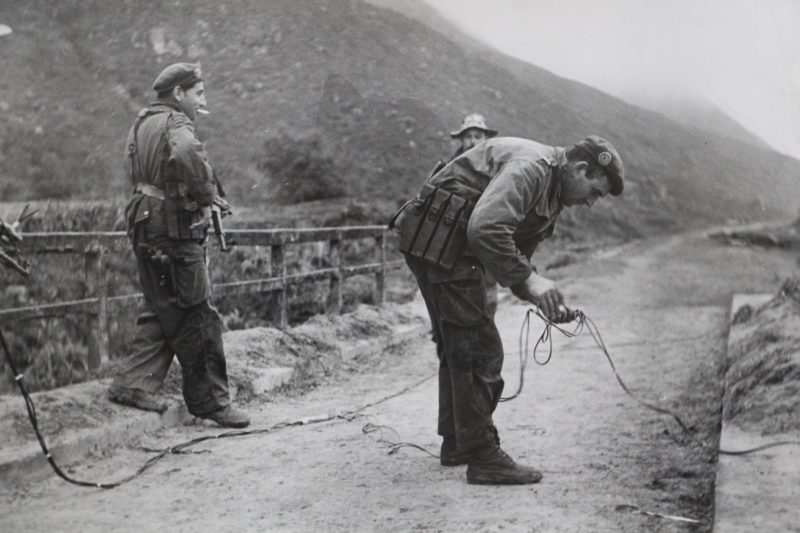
(741, 55)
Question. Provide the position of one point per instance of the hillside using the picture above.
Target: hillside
(703, 115)
(376, 90)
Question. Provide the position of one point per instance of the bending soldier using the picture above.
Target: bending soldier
(473, 130)
(482, 216)
(174, 186)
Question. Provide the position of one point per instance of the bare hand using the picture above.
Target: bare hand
(223, 205)
(544, 294)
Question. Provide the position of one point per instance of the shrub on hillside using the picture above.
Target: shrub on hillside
(300, 169)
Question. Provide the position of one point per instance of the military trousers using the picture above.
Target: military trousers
(469, 348)
(178, 320)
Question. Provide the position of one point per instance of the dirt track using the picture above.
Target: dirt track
(662, 309)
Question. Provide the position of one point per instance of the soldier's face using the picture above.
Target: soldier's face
(581, 189)
(471, 137)
(192, 99)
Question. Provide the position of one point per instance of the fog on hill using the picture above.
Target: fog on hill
(739, 54)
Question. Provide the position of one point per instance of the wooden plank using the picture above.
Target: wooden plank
(278, 267)
(95, 288)
(335, 297)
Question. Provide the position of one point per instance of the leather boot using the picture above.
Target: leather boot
(449, 454)
(228, 417)
(490, 465)
(137, 398)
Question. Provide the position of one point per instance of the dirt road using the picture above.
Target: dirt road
(662, 309)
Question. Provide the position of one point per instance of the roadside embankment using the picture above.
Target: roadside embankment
(78, 420)
(760, 491)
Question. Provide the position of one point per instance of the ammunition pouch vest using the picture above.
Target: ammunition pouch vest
(434, 226)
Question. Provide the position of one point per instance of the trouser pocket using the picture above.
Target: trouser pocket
(460, 296)
(190, 279)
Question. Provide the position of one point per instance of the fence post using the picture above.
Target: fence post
(380, 276)
(278, 261)
(95, 283)
(335, 260)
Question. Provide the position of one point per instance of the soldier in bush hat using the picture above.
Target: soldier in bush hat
(512, 191)
(173, 186)
(473, 130)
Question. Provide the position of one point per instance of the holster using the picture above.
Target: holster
(434, 227)
(162, 266)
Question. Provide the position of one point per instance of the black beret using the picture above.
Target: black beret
(183, 74)
(606, 156)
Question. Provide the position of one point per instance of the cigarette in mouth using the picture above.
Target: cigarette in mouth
(204, 112)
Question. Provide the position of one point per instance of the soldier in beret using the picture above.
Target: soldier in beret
(173, 187)
(516, 189)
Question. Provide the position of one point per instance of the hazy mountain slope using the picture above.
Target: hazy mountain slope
(703, 115)
(276, 68)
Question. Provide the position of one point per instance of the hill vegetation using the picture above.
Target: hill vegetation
(366, 95)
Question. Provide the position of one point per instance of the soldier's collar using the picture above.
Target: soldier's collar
(560, 167)
(165, 103)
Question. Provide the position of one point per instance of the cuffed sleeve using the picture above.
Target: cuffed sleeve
(191, 162)
(512, 193)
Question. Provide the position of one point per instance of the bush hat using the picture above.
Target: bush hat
(474, 120)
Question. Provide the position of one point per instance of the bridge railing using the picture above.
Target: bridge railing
(96, 302)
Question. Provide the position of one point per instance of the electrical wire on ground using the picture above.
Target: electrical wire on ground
(584, 322)
(183, 448)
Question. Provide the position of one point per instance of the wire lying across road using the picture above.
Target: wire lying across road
(582, 322)
(183, 448)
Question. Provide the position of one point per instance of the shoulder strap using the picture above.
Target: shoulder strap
(133, 147)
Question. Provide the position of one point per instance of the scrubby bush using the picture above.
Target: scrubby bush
(300, 169)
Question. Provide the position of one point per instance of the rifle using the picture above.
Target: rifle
(216, 221)
(218, 209)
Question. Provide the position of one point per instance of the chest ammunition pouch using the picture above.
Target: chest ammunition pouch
(434, 227)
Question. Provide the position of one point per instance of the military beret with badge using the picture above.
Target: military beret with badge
(605, 156)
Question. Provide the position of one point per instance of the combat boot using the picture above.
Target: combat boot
(137, 398)
(449, 454)
(229, 417)
(490, 465)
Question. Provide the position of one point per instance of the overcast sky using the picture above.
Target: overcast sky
(742, 55)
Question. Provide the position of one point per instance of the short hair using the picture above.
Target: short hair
(575, 154)
(185, 86)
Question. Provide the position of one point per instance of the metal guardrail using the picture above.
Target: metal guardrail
(94, 245)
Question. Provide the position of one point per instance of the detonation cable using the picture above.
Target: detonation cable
(545, 337)
(182, 448)
(584, 322)
(35, 423)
